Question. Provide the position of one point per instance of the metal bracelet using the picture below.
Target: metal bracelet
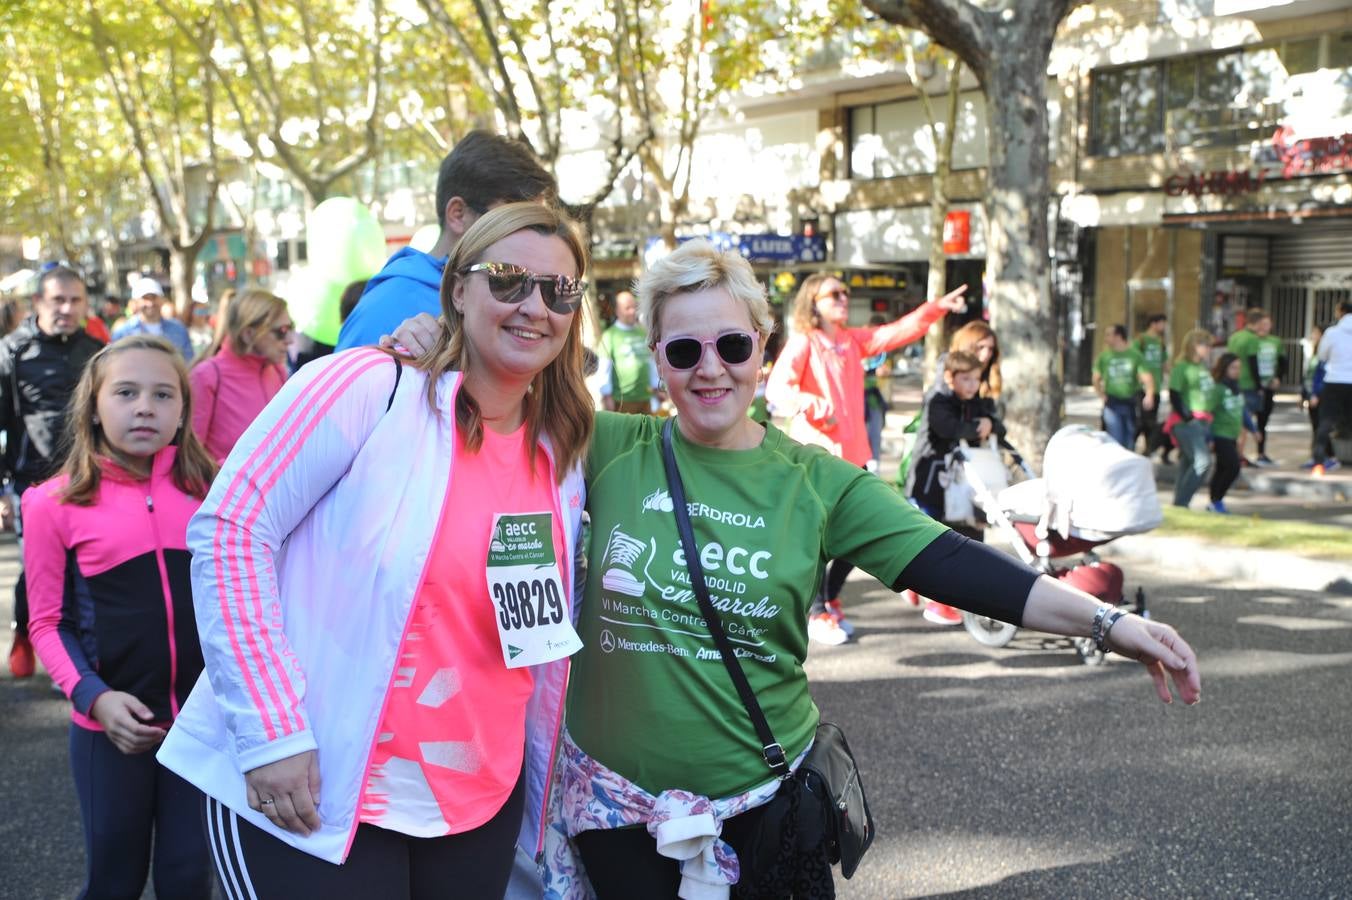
(1096, 629)
(1112, 620)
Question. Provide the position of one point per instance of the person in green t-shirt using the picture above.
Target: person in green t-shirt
(1119, 374)
(1260, 356)
(1227, 424)
(1150, 344)
(1190, 384)
(628, 379)
(656, 730)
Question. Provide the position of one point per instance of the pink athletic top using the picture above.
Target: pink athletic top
(452, 735)
(229, 390)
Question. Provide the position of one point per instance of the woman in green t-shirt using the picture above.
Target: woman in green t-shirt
(651, 708)
(1190, 385)
(1227, 411)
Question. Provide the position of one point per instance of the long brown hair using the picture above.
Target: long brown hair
(251, 310)
(193, 467)
(557, 403)
(805, 316)
(965, 340)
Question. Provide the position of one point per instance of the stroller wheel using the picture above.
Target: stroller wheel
(1089, 654)
(987, 631)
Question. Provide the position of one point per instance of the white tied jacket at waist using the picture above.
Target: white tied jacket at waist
(307, 554)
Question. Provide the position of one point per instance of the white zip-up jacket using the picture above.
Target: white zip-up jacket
(1336, 351)
(307, 555)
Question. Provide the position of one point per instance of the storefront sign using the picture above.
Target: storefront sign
(759, 248)
(958, 232)
(1220, 183)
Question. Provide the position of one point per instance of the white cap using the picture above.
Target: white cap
(146, 287)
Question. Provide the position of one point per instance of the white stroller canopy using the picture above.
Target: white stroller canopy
(1091, 488)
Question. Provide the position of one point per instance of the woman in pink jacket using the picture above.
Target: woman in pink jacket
(819, 382)
(241, 371)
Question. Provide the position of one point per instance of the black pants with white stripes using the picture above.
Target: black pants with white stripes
(125, 799)
(381, 864)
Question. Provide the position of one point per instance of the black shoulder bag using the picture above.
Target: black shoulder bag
(820, 808)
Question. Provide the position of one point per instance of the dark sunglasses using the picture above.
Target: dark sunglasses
(283, 332)
(513, 284)
(733, 347)
(838, 294)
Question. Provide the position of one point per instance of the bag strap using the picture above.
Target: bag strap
(398, 373)
(771, 750)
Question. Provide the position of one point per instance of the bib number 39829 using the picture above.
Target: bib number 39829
(527, 592)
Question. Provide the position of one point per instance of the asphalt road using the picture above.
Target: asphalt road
(1015, 772)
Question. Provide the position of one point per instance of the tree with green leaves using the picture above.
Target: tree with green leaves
(303, 81)
(164, 91)
(1006, 44)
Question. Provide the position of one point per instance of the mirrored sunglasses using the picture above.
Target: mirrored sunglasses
(733, 347)
(513, 284)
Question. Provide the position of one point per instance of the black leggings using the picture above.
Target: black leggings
(833, 579)
(125, 799)
(380, 864)
(624, 862)
(1269, 403)
(1227, 468)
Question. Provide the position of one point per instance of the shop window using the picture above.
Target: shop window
(1301, 57)
(1128, 107)
(1340, 51)
(888, 140)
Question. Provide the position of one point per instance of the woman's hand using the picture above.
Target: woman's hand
(287, 791)
(122, 717)
(953, 301)
(415, 336)
(1164, 654)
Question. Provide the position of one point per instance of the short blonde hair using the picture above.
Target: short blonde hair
(695, 266)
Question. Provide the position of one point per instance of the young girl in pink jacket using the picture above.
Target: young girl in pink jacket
(112, 615)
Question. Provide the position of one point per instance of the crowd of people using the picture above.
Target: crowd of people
(342, 629)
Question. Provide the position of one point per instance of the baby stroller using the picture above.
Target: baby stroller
(1092, 492)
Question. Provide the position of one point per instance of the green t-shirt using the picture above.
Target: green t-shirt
(1227, 408)
(627, 349)
(1244, 344)
(1120, 371)
(1269, 354)
(649, 696)
(1194, 382)
(1151, 349)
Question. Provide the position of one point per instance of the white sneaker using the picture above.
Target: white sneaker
(825, 630)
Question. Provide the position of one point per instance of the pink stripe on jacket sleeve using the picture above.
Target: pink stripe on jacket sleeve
(243, 550)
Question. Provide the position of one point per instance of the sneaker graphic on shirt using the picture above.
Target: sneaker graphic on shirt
(622, 556)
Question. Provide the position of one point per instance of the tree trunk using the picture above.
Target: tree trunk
(1016, 256)
(181, 261)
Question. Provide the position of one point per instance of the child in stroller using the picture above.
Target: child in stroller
(953, 414)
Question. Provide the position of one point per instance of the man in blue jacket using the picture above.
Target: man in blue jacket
(484, 170)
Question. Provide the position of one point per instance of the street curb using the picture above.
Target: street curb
(1268, 567)
(1333, 489)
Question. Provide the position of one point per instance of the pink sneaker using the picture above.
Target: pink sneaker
(837, 612)
(824, 630)
(911, 597)
(942, 614)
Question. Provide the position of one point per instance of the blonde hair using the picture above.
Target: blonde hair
(805, 317)
(965, 340)
(557, 403)
(695, 266)
(193, 467)
(254, 309)
(1192, 339)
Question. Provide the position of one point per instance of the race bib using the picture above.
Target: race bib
(527, 592)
